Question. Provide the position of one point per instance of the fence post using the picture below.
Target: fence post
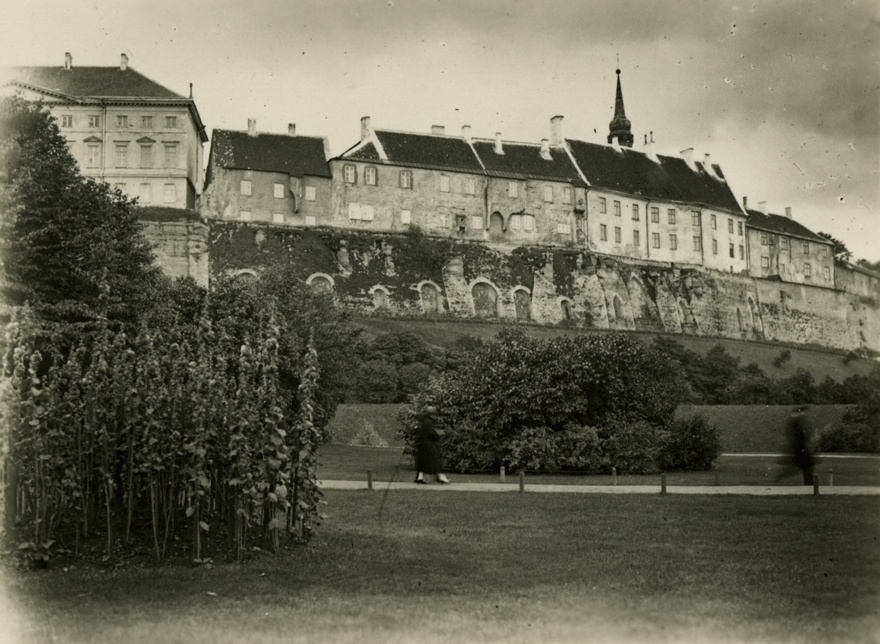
(522, 481)
(815, 485)
(613, 476)
(369, 479)
(830, 477)
(662, 483)
(503, 474)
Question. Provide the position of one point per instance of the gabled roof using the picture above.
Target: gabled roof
(293, 155)
(524, 161)
(430, 151)
(96, 82)
(665, 179)
(782, 225)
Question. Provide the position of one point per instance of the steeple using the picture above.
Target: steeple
(620, 125)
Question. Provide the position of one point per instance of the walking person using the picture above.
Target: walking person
(428, 459)
(800, 454)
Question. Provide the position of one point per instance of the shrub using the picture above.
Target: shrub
(783, 357)
(849, 437)
(367, 436)
(689, 444)
(631, 447)
(535, 449)
(377, 381)
(413, 376)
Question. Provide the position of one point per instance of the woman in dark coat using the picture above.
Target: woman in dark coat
(428, 459)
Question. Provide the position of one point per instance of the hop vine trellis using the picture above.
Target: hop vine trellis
(156, 439)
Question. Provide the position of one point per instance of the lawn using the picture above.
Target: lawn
(482, 567)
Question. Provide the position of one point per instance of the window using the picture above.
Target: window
(695, 218)
(170, 155)
(742, 251)
(655, 216)
(807, 269)
(698, 243)
(244, 215)
(673, 242)
(360, 212)
(616, 208)
(603, 232)
(635, 212)
(765, 263)
(731, 249)
(310, 193)
(636, 241)
(822, 252)
(246, 187)
(122, 155)
(783, 243)
(764, 239)
(566, 196)
(93, 155)
(671, 213)
(349, 173)
(405, 217)
(67, 120)
(827, 272)
(146, 155)
(278, 190)
(528, 222)
(94, 120)
(147, 122)
(170, 122)
(713, 221)
(512, 189)
(548, 194)
(170, 193)
(739, 226)
(617, 234)
(444, 220)
(655, 240)
(477, 222)
(806, 248)
(310, 220)
(714, 246)
(471, 186)
(277, 218)
(406, 180)
(121, 120)
(730, 226)
(603, 205)
(371, 177)
(444, 183)
(515, 222)
(146, 193)
(563, 229)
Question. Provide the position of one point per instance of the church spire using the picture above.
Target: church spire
(620, 125)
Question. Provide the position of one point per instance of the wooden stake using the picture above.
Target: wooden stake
(613, 476)
(815, 485)
(503, 474)
(522, 482)
(830, 477)
(663, 483)
(369, 479)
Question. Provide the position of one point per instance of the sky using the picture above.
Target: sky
(784, 94)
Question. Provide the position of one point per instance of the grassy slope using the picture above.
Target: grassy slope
(457, 567)
(819, 362)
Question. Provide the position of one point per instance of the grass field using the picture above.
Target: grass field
(480, 567)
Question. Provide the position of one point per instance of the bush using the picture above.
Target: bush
(535, 449)
(377, 381)
(849, 437)
(367, 436)
(689, 444)
(631, 447)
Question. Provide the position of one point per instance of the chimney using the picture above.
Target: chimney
(68, 60)
(291, 129)
(545, 149)
(252, 127)
(123, 62)
(649, 147)
(190, 90)
(438, 129)
(788, 211)
(762, 206)
(745, 203)
(556, 130)
(466, 132)
(499, 149)
(688, 155)
(365, 128)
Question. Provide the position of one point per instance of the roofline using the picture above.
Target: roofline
(818, 239)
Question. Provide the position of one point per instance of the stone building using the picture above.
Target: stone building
(122, 127)
(280, 179)
(783, 249)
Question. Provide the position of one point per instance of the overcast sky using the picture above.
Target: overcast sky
(785, 95)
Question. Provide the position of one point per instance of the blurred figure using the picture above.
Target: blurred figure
(428, 460)
(800, 454)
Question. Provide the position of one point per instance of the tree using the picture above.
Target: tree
(71, 245)
(838, 249)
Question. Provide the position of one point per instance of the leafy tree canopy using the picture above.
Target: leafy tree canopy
(839, 250)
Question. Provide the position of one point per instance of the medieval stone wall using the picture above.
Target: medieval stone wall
(180, 248)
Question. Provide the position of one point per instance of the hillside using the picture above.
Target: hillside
(819, 362)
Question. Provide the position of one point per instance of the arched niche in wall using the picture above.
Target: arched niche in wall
(617, 307)
(566, 309)
(485, 299)
(245, 275)
(321, 282)
(688, 322)
(431, 298)
(522, 303)
(381, 297)
(739, 322)
(496, 226)
(755, 317)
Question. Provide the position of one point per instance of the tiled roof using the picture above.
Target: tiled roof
(428, 151)
(783, 225)
(667, 179)
(366, 153)
(80, 82)
(524, 161)
(294, 155)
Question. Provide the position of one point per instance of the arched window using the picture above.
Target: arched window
(431, 302)
(522, 303)
(565, 309)
(496, 225)
(618, 309)
(380, 298)
(320, 283)
(485, 300)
